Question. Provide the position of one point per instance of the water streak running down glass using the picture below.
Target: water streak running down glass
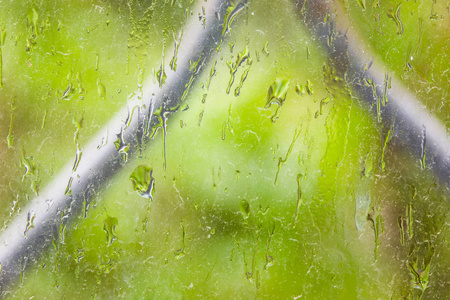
(224, 149)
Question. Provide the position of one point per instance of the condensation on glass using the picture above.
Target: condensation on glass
(267, 159)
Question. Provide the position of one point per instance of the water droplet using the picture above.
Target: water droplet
(232, 44)
(161, 76)
(370, 83)
(237, 91)
(395, 15)
(368, 165)
(362, 3)
(173, 61)
(269, 262)
(101, 89)
(30, 172)
(387, 85)
(14, 207)
(299, 198)
(300, 89)
(265, 49)
(277, 95)
(200, 117)
(77, 120)
(67, 95)
(193, 68)
(68, 190)
(230, 15)
(244, 206)
(212, 72)
(243, 56)
(386, 140)
(277, 92)
(77, 159)
(143, 181)
(377, 224)
(282, 161)
(104, 141)
(30, 218)
(423, 148)
(309, 88)
(32, 32)
(109, 226)
(321, 105)
(121, 146)
(419, 263)
(179, 253)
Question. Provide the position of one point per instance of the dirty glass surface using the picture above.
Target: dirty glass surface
(277, 166)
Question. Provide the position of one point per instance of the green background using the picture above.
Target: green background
(299, 238)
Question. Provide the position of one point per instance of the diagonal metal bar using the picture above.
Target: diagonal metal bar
(414, 128)
(32, 231)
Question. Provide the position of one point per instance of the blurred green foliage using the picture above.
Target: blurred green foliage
(246, 205)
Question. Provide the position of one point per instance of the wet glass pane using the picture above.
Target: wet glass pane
(167, 149)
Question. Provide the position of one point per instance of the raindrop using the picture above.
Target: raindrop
(200, 117)
(321, 105)
(395, 15)
(230, 15)
(299, 198)
(386, 140)
(423, 148)
(282, 161)
(32, 24)
(68, 190)
(109, 226)
(161, 75)
(244, 206)
(67, 95)
(77, 120)
(242, 57)
(309, 88)
(30, 172)
(143, 181)
(173, 61)
(101, 89)
(265, 49)
(121, 146)
(277, 95)
(300, 89)
(362, 3)
(77, 159)
(387, 85)
(237, 91)
(30, 218)
(269, 262)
